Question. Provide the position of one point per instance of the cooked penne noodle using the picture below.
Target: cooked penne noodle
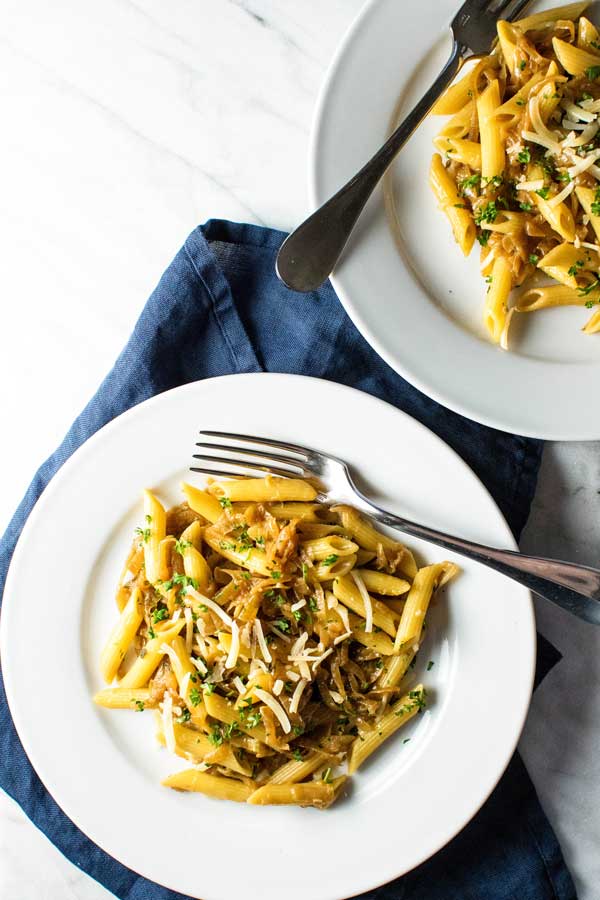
(548, 16)
(466, 152)
(586, 197)
(202, 502)
(144, 666)
(322, 548)
(417, 603)
(496, 304)
(395, 668)
(451, 203)
(545, 297)
(593, 325)
(313, 793)
(212, 785)
(381, 583)
(294, 771)
(156, 521)
(137, 699)
(122, 636)
(265, 490)
(347, 593)
(399, 714)
(574, 60)
(367, 537)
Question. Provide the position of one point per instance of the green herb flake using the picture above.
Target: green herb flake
(533, 259)
(483, 237)
(593, 72)
(524, 157)
(430, 665)
(195, 696)
(544, 193)
(225, 502)
(330, 560)
(297, 754)
(282, 625)
(574, 270)
(139, 705)
(487, 213)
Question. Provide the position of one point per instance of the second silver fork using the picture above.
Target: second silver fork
(574, 588)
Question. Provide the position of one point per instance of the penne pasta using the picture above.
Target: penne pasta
(313, 793)
(399, 714)
(265, 490)
(137, 699)
(212, 785)
(451, 203)
(122, 636)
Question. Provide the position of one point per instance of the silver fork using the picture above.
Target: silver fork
(575, 588)
(308, 256)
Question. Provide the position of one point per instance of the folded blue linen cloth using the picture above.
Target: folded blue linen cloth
(219, 309)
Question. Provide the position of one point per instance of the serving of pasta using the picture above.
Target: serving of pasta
(518, 167)
(271, 635)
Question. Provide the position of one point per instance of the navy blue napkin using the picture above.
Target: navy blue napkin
(219, 309)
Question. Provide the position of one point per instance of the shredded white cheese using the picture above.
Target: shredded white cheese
(366, 600)
(296, 606)
(185, 683)
(167, 722)
(260, 637)
(239, 685)
(343, 614)
(342, 637)
(276, 707)
(278, 687)
(279, 633)
(337, 698)
(297, 695)
(563, 195)
(200, 666)
(189, 630)
(534, 138)
(318, 661)
(234, 650)
(292, 676)
(577, 112)
(583, 163)
(200, 598)
(298, 645)
(536, 185)
(304, 670)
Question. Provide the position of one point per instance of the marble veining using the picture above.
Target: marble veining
(125, 124)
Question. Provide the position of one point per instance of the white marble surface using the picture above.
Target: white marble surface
(124, 124)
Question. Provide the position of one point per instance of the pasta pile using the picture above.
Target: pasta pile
(248, 623)
(518, 168)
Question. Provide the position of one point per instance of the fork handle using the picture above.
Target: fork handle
(308, 256)
(574, 588)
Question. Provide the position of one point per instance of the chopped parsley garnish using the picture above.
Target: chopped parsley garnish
(593, 72)
(227, 545)
(298, 730)
(522, 64)
(563, 176)
(304, 571)
(151, 633)
(471, 182)
(533, 259)
(483, 237)
(195, 696)
(574, 270)
(139, 705)
(524, 157)
(275, 574)
(178, 580)
(181, 546)
(297, 754)
(282, 624)
(225, 502)
(297, 614)
(406, 740)
(184, 717)
(331, 559)
(544, 193)
(585, 95)
(526, 207)
(430, 665)
(216, 736)
(159, 615)
(144, 533)
(589, 304)
(312, 604)
(593, 286)
(209, 687)
(595, 208)
(416, 701)
(520, 102)
(487, 213)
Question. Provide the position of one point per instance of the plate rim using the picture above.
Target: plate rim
(586, 430)
(89, 446)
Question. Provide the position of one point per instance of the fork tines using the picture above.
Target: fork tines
(268, 460)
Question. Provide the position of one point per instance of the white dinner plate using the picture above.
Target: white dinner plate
(408, 288)
(104, 767)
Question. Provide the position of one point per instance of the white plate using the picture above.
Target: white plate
(420, 304)
(103, 767)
